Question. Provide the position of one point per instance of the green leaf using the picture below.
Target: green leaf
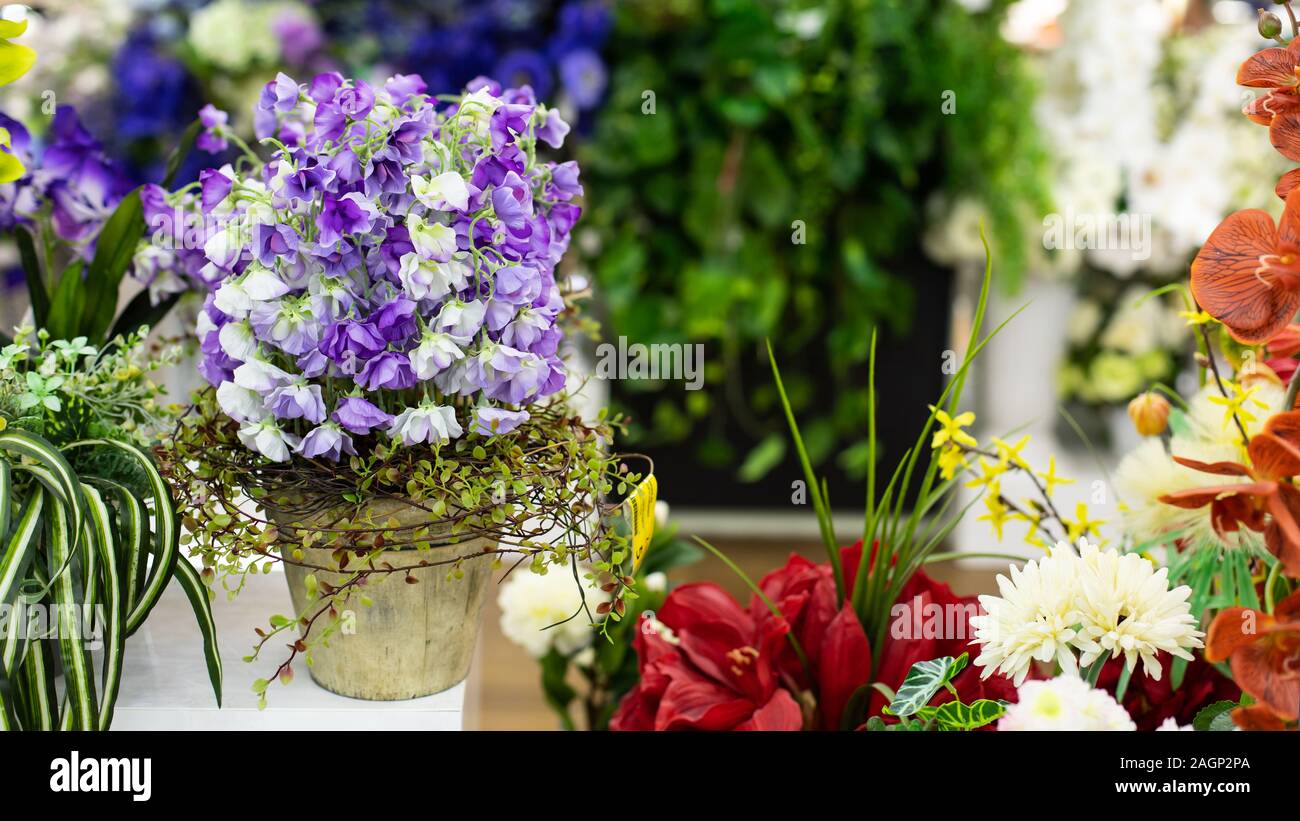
(764, 456)
(180, 152)
(141, 311)
(31, 262)
(197, 592)
(102, 538)
(68, 302)
(114, 249)
(922, 682)
(1216, 717)
(80, 712)
(953, 715)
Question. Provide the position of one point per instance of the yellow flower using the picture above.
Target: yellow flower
(15, 60)
(951, 429)
(951, 460)
(1050, 479)
(1196, 317)
(989, 472)
(3, 423)
(998, 513)
(1235, 405)
(1010, 454)
(1082, 526)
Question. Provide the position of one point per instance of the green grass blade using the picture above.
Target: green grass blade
(197, 592)
(38, 686)
(814, 487)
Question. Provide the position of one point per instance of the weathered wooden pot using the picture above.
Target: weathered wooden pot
(415, 639)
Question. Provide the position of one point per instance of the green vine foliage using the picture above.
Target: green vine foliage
(543, 496)
(762, 169)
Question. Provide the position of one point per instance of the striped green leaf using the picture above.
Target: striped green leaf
(166, 532)
(132, 536)
(197, 592)
(20, 549)
(112, 595)
(47, 456)
(38, 686)
(78, 674)
(922, 682)
(6, 496)
(953, 715)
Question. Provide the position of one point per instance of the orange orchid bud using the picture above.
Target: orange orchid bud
(1150, 413)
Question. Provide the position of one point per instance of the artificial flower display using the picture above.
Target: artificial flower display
(390, 270)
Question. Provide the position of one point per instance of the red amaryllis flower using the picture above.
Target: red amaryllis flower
(1270, 503)
(933, 622)
(1247, 275)
(1275, 69)
(1263, 651)
(1285, 342)
(714, 671)
(1150, 702)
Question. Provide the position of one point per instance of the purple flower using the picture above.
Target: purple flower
(508, 121)
(583, 75)
(517, 284)
(395, 320)
(513, 203)
(389, 370)
(564, 180)
(349, 214)
(401, 87)
(324, 86)
(348, 341)
(496, 421)
(297, 401)
(327, 441)
(273, 241)
(359, 415)
(213, 137)
(214, 186)
(356, 100)
(553, 130)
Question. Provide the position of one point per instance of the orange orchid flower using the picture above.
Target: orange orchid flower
(1247, 275)
(1285, 342)
(1263, 651)
(1269, 503)
(1278, 70)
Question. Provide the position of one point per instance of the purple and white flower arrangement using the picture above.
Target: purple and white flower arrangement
(389, 271)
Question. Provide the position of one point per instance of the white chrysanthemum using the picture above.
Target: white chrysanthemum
(533, 607)
(1033, 620)
(1127, 609)
(1064, 703)
(1171, 724)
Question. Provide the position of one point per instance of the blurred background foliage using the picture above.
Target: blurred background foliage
(770, 117)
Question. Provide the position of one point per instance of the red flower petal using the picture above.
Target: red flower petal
(781, 712)
(845, 665)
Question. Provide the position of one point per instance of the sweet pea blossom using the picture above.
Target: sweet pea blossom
(426, 423)
(393, 251)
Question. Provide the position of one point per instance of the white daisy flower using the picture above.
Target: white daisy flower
(1064, 703)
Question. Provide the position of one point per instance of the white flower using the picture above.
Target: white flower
(237, 340)
(461, 319)
(261, 376)
(432, 240)
(266, 438)
(1171, 723)
(1034, 620)
(236, 296)
(444, 192)
(1098, 603)
(426, 423)
(425, 279)
(434, 354)
(241, 404)
(1149, 472)
(1064, 703)
(476, 110)
(1128, 610)
(532, 603)
(656, 582)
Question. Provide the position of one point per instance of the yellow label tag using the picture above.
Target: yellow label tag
(640, 511)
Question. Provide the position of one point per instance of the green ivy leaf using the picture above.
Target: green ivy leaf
(923, 681)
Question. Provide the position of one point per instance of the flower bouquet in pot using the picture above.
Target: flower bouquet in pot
(387, 393)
